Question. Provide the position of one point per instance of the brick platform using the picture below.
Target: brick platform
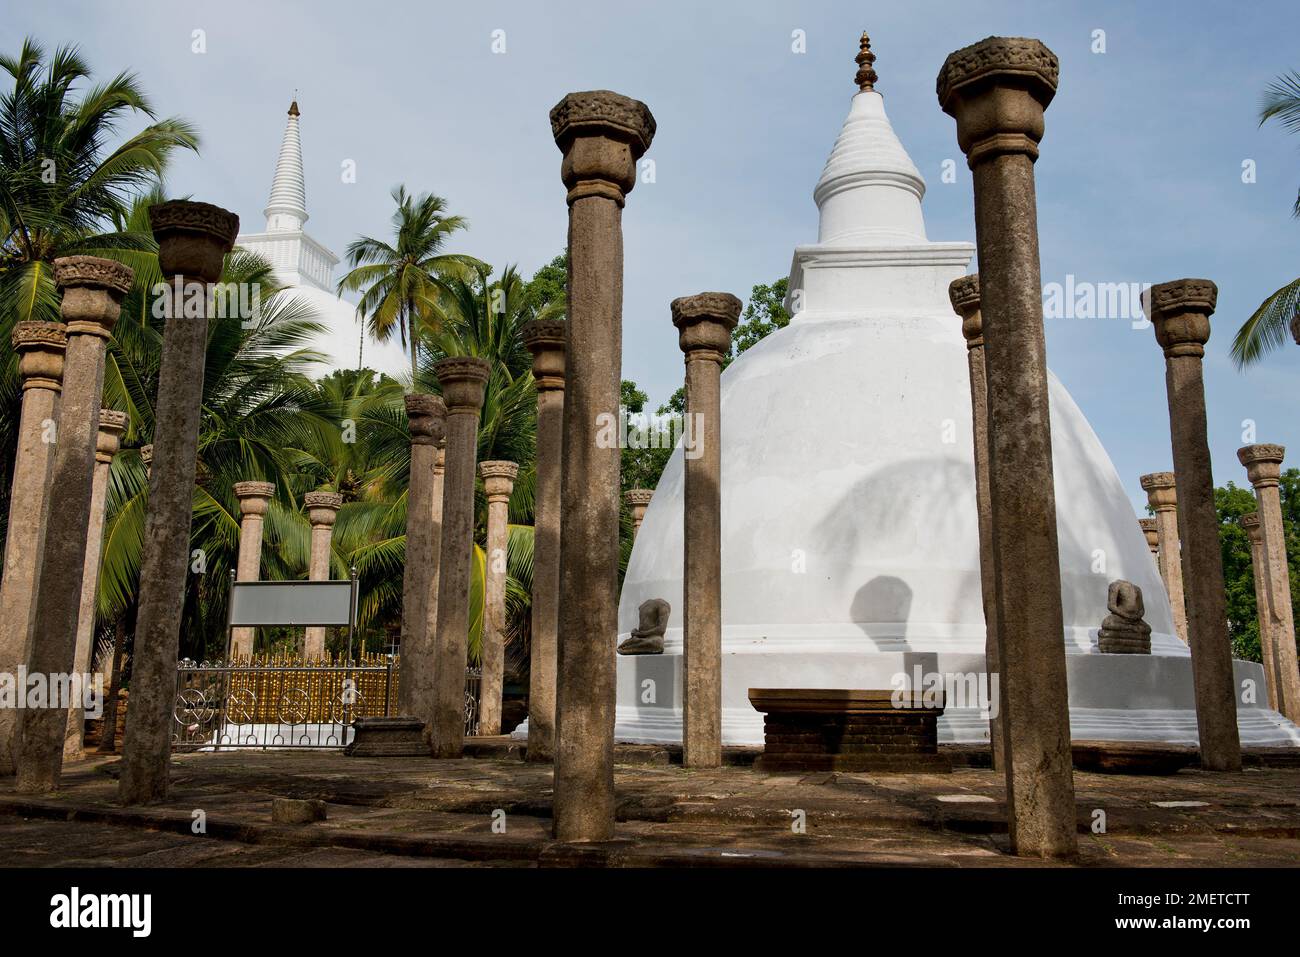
(841, 730)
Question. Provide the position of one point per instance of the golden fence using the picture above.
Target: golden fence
(282, 700)
(290, 690)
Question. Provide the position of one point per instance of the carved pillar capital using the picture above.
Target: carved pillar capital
(997, 91)
(544, 338)
(1180, 311)
(602, 135)
(704, 323)
(40, 347)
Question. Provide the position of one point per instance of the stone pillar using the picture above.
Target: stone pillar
(1162, 496)
(40, 347)
(1259, 571)
(254, 499)
(1151, 531)
(545, 339)
(601, 135)
(464, 379)
(427, 422)
(322, 510)
(92, 296)
(638, 500)
(964, 293)
(111, 426)
(704, 323)
(193, 239)
(997, 90)
(498, 483)
(1180, 311)
(1264, 469)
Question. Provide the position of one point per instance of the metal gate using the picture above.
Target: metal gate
(288, 703)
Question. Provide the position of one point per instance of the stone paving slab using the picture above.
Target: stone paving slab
(442, 812)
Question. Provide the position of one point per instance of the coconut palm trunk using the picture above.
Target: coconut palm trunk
(108, 736)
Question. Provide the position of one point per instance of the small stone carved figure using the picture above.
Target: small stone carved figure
(648, 637)
(1123, 632)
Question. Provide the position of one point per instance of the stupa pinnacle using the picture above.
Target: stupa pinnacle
(287, 208)
(866, 77)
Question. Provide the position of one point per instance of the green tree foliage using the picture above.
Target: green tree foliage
(1266, 329)
(1238, 573)
(550, 284)
(402, 281)
(67, 183)
(260, 414)
(764, 314)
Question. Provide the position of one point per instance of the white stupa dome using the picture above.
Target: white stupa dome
(850, 549)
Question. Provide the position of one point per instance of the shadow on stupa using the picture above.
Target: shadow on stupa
(885, 599)
(923, 508)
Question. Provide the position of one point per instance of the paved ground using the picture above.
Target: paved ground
(495, 810)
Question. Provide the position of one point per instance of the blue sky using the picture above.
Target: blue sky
(1139, 179)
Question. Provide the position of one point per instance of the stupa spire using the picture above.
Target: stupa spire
(286, 211)
(866, 76)
(870, 192)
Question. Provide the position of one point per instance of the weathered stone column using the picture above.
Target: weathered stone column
(254, 500)
(964, 293)
(1264, 469)
(322, 510)
(601, 135)
(40, 347)
(193, 239)
(638, 500)
(1162, 496)
(1259, 571)
(1151, 531)
(704, 323)
(92, 296)
(545, 339)
(427, 422)
(464, 379)
(498, 483)
(997, 90)
(111, 426)
(1181, 312)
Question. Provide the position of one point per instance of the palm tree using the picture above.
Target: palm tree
(260, 410)
(64, 189)
(61, 190)
(401, 278)
(1267, 327)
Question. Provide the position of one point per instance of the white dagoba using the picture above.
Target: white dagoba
(849, 529)
(305, 264)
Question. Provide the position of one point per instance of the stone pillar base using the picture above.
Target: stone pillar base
(396, 737)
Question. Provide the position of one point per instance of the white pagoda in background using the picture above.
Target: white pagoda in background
(307, 265)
